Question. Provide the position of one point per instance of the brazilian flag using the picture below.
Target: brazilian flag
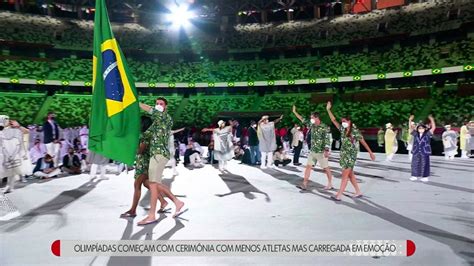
(114, 121)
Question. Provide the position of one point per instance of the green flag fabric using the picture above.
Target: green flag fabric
(115, 115)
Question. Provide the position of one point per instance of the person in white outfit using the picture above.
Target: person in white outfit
(37, 151)
(32, 136)
(192, 157)
(297, 143)
(75, 133)
(98, 163)
(12, 153)
(37, 133)
(172, 148)
(67, 134)
(84, 136)
(223, 146)
(450, 143)
(64, 145)
(267, 140)
(26, 166)
(83, 158)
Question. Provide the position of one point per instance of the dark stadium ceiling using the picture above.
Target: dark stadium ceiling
(204, 7)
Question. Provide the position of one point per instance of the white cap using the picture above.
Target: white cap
(447, 126)
(4, 119)
(388, 125)
(220, 122)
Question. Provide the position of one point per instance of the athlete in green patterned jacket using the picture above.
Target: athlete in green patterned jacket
(350, 138)
(320, 147)
(160, 132)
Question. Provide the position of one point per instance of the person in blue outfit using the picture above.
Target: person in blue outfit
(420, 164)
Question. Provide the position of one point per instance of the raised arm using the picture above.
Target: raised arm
(145, 107)
(177, 130)
(432, 124)
(207, 129)
(410, 120)
(278, 119)
(297, 115)
(333, 118)
(372, 156)
(24, 130)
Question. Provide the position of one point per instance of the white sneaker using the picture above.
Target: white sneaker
(413, 178)
(424, 179)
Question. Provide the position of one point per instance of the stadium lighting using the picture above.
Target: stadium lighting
(181, 15)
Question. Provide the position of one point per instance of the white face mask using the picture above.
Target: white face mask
(345, 124)
(313, 120)
(159, 108)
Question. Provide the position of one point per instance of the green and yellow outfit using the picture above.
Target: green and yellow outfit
(320, 142)
(349, 148)
(160, 132)
(142, 161)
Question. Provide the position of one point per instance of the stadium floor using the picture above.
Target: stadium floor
(251, 204)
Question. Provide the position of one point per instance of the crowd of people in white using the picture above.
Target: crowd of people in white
(47, 150)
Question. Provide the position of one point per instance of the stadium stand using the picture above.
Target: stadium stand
(416, 57)
(21, 106)
(74, 109)
(417, 19)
